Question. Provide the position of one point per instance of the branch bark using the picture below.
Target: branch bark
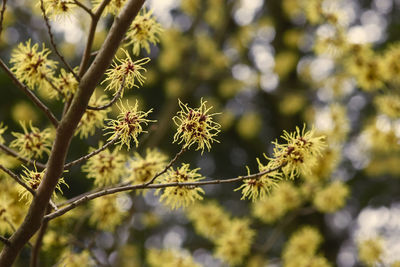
(65, 131)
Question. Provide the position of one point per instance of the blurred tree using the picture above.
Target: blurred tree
(119, 118)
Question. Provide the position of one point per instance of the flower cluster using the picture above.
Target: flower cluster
(66, 83)
(143, 169)
(107, 212)
(259, 187)
(105, 168)
(2, 130)
(128, 124)
(370, 251)
(93, 119)
(181, 196)
(145, 30)
(31, 65)
(301, 249)
(125, 72)
(33, 178)
(113, 7)
(282, 199)
(166, 258)
(235, 243)
(55, 8)
(300, 153)
(195, 126)
(32, 143)
(332, 197)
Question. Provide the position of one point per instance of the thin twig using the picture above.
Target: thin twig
(115, 98)
(3, 9)
(11, 152)
(166, 167)
(30, 94)
(91, 154)
(17, 179)
(114, 190)
(4, 240)
(13, 228)
(54, 87)
(46, 20)
(83, 7)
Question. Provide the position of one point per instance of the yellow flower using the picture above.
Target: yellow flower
(181, 196)
(67, 83)
(209, 220)
(54, 8)
(258, 188)
(73, 259)
(235, 243)
(388, 104)
(33, 179)
(145, 30)
(33, 143)
(31, 65)
(93, 119)
(127, 72)
(107, 212)
(128, 124)
(143, 169)
(196, 126)
(332, 197)
(300, 153)
(2, 130)
(113, 7)
(105, 168)
(370, 251)
(170, 258)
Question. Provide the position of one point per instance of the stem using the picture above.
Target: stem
(91, 154)
(46, 20)
(65, 132)
(113, 190)
(83, 7)
(38, 244)
(17, 179)
(11, 152)
(115, 98)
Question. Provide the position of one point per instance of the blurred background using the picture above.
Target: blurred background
(266, 66)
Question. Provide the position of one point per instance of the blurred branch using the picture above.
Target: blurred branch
(11, 152)
(46, 20)
(115, 98)
(3, 9)
(86, 197)
(30, 94)
(91, 154)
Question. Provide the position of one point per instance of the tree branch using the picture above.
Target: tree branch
(46, 20)
(30, 94)
(109, 191)
(17, 179)
(93, 25)
(65, 132)
(115, 98)
(38, 244)
(4, 240)
(3, 9)
(91, 154)
(11, 152)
